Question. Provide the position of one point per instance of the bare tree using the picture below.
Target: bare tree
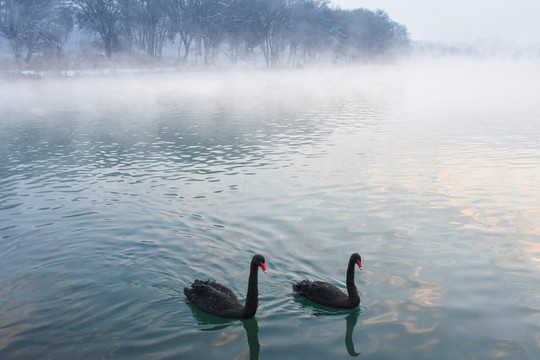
(273, 28)
(33, 26)
(102, 17)
(367, 34)
(311, 31)
(182, 22)
(210, 17)
(287, 32)
(148, 19)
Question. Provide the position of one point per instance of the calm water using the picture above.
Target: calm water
(117, 192)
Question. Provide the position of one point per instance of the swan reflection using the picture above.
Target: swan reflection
(216, 323)
(252, 333)
(351, 319)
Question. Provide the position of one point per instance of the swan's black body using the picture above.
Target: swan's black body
(329, 295)
(217, 299)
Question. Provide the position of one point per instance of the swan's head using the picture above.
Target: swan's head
(358, 260)
(259, 260)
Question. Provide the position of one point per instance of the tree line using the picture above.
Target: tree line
(283, 32)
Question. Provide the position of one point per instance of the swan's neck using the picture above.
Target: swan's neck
(351, 287)
(252, 297)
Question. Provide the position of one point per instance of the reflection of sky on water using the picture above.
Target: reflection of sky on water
(440, 202)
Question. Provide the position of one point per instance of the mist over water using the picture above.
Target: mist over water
(118, 191)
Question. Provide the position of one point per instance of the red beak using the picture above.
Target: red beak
(263, 267)
(359, 263)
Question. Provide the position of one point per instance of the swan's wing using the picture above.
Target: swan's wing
(320, 292)
(211, 297)
(209, 289)
(326, 290)
(222, 289)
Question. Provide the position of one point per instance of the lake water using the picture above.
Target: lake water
(118, 191)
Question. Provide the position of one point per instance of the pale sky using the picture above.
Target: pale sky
(458, 21)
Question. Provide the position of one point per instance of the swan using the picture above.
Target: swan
(328, 294)
(216, 299)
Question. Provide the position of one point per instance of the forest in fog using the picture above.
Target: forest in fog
(280, 33)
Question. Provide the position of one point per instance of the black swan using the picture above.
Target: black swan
(329, 295)
(217, 299)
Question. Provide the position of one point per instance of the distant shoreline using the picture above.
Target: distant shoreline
(120, 66)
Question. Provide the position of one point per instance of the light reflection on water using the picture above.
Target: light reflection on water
(113, 200)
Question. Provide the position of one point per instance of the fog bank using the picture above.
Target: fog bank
(470, 84)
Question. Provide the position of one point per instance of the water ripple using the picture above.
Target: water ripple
(107, 211)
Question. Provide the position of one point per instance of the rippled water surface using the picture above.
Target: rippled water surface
(117, 192)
